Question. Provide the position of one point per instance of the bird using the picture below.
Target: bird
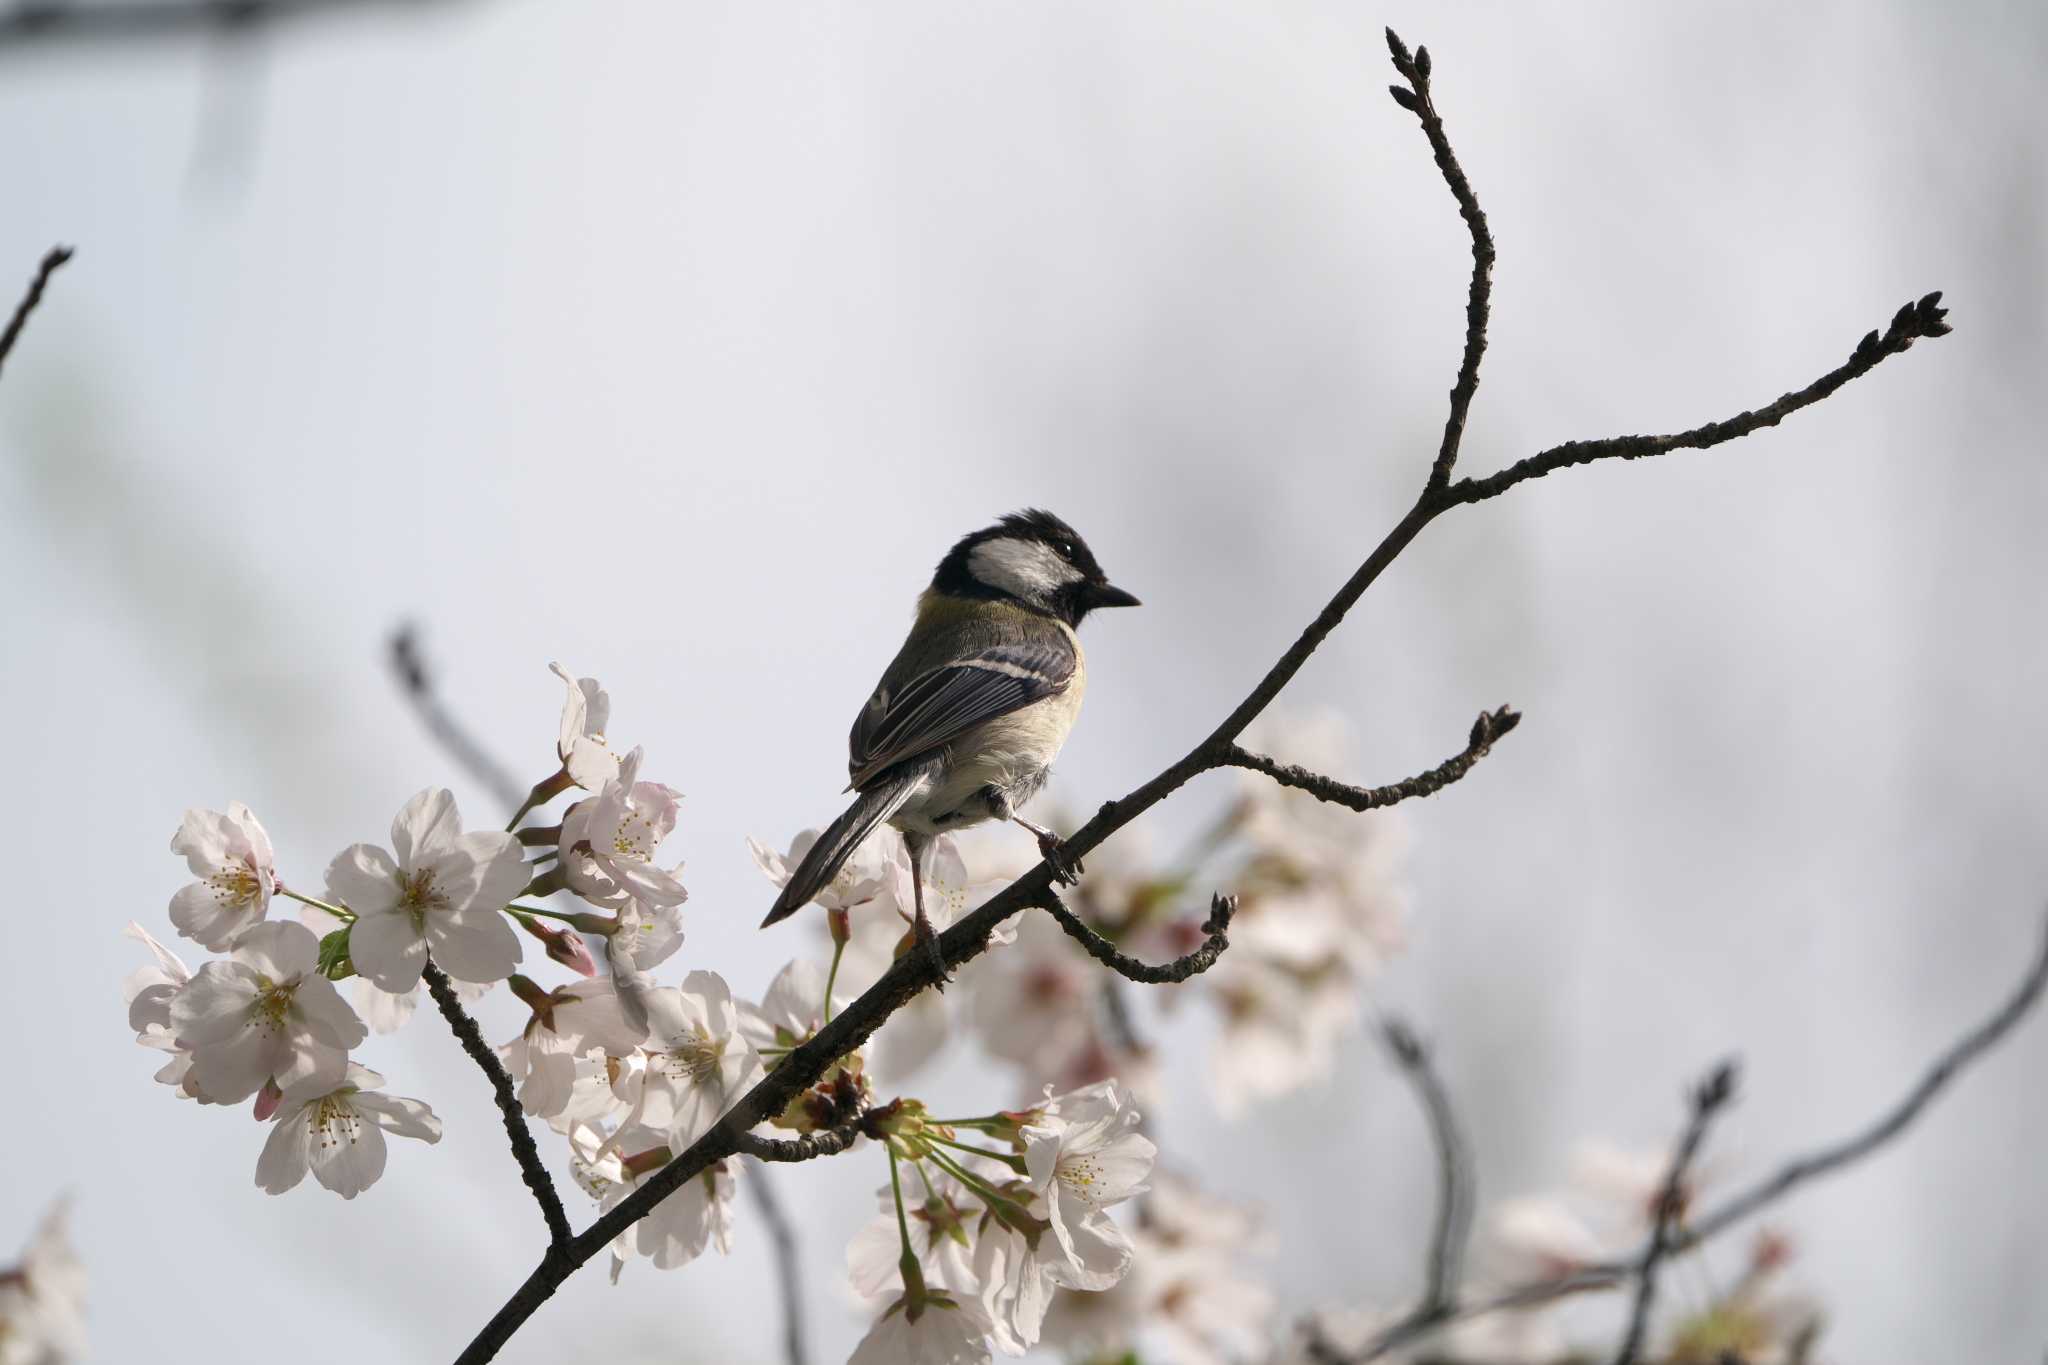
(968, 717)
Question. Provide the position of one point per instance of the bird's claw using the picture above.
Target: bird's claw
(934, 956)
(1066, 869)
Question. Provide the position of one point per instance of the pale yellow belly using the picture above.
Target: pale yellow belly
(1010, 753)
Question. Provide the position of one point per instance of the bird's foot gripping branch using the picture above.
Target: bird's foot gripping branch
(654, 1093)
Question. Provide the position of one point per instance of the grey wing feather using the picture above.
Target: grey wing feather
(938, 707)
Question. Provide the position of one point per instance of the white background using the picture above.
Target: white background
(677, 341)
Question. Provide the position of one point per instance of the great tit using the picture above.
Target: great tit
(970, 714)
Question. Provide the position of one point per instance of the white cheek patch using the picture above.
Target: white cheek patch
(1029, 569)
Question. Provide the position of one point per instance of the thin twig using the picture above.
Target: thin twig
(1490, 726)
(1914, 322)
(1416, 99)
(782, 1239)
(809, 1147)
(1708, 1099)
(523, 1150)
(1748, 1203)
(909, 975)
(53, 258)
(1217, 927)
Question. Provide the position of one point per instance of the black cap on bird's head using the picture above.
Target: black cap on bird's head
(1034, 559)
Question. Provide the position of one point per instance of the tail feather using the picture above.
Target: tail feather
(822, 863)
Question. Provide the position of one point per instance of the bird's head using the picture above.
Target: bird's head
(1034, 559)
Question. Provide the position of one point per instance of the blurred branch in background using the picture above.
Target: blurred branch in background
(1709, 1098)
(52, 259)
(1684, 1234)
(43, 22)
(416, 680)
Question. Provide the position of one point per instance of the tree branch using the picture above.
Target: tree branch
(1416, 99)
(1911, 323)
(809, 1147)
(1708, 1099)
(1490, 726)
(44, 21)
(804, 1065)
(523, 1150)
(1217, 927)
(1789, 1177)
(1453, 1231)
(782, 1239)
(52, 259)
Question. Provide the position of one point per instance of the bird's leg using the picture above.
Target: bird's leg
(1064, 868)
(927, 937)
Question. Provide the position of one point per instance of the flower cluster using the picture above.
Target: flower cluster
(1001, 1233)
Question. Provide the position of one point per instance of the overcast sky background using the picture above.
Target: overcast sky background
(676, 341)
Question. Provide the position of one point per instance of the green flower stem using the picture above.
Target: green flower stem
(982, 1191)
(838, 951)
(339, 912)
(1010, 1159)
(907, 1263)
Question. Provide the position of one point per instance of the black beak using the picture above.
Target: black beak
(1103, 595)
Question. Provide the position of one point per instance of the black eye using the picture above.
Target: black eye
(1065, 547)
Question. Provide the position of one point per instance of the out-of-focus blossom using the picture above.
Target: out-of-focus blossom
(442, 893)
(42, 1298)
(1187, 1291)
(149, 991)
(608, 843)
(1280, 1028)
(1535, 1238)
(230, 854)
(263, 1014)
(338, 1134)
(938, 1330)
(1034, 1003)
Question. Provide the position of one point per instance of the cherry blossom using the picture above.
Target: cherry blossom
(608, 842)
(1084, 1155)
(697, 1061)
(230, 854)
(585, 753)
(441, 893)
(864, 878)
(941, 1237)
(566, 1024)
(938, 1330)
(389, 1011)
(149, 992)
(265, 1013)
(679, 1229)
(338, 1134)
